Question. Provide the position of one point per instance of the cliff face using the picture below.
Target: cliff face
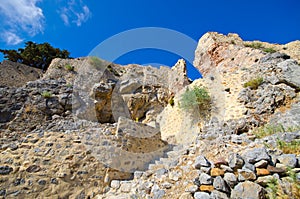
(90, 128)
(227, 63)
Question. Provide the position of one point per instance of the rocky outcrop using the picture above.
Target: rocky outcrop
(292, 48)
(87, 91)
(75, 97)
(93, 129)
(227, 65)
(14, 74)
(35, 105)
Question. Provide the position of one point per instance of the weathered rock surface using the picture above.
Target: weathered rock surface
(110, 131)
(14, 74)
(248, 190)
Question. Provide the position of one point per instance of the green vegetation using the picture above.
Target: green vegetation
(35, 55)
(195, 98)
(276, 191)
(254, 83)
(257, 45)
(69, 67)
(269, 50)
(285, 147)
(268, 129)
(272, 188)
(46, 94)
(69, 85)
(289, 147)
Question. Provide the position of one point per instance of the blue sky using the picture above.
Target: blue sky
(80, 25)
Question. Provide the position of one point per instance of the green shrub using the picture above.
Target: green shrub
(269, 50)
(46, 94)
(257, 45)
(69, 67)
(254, 83)
(195, 98)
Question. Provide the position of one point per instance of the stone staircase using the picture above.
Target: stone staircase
(170, 159)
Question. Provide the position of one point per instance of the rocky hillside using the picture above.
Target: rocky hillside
(14, 74)
(93, 129)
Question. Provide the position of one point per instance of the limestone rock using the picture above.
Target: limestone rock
(288, 160)
(218, 195)
(220, 185)
(206, 54)
(235, 161)
(248, 189)
(205, 179)
(201, 161)
(256, 155)
(264, 180)
(290, 72)
(201, 195)
(261, 164)
(230, 179)
(246, 174)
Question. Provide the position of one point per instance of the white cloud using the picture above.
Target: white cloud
(11, 38)
(75, 11)
(20, 16)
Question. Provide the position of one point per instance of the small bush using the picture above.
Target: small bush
(254, 83)
(195, 98)
(255, 45)
(46, 94)
(69, 67)
(269, 50)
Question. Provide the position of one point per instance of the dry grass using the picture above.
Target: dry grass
(289, 147)
(30, 109)
(254, 83)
